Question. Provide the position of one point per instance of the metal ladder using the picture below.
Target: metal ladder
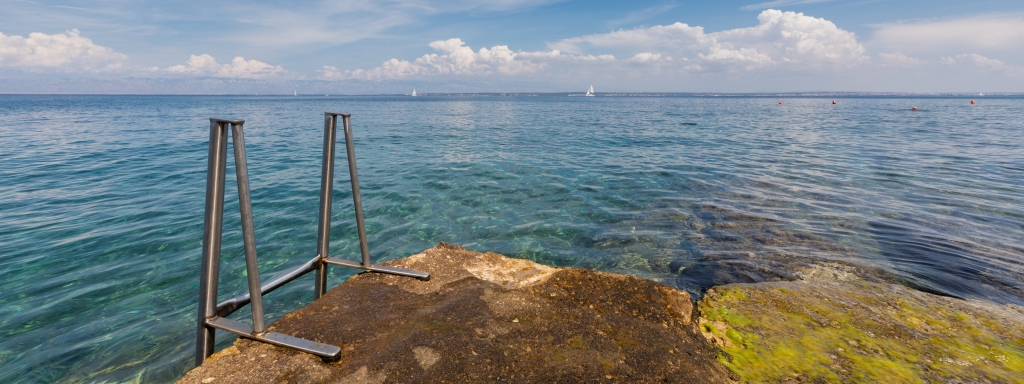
(213, 315)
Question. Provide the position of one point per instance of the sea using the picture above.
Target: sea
(102, 198)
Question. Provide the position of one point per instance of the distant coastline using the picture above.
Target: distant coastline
(729, 94)
(568, 94)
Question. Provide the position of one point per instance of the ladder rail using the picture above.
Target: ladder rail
(212, 315)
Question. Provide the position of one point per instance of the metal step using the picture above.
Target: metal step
(245, 330)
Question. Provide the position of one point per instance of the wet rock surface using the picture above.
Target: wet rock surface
(833, 326)
(484, 317)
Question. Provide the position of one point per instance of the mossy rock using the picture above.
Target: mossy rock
(855, 331)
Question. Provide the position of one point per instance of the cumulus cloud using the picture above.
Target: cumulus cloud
(331, 72)
(455, 58)
(791, 37)
(69, 52)
(239, 67)
(782, 43)
(780, 38)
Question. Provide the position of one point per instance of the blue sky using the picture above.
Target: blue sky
(360, 46)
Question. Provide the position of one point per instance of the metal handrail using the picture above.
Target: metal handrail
(231, 305)
(212, 315)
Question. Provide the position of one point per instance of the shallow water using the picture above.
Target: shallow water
(101, 201)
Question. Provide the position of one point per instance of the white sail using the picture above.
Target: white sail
(590, 92)
(413, 92)
(295, 93)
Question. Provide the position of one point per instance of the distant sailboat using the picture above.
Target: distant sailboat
(413, 92)
(295, 93)
(590, 92)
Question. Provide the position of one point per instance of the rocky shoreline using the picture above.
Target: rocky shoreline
(484, 317)
(853, 330)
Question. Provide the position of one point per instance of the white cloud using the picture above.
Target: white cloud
(898, 59)
(331, 72)
(747, 58)
(780, 38)
(974, 60)
(206, 65)
(795, 38)
(979, 33)
(782, 51)
(674, 37)
(459, 59)
(786, 40)
(455, 59)
(559, 56)
(69, 52)
(647, 57)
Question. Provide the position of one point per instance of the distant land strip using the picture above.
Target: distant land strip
(572, 94)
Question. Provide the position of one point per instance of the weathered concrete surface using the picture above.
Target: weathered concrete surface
(836, 327)
(484, 318)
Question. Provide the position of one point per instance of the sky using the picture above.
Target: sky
(393, 46)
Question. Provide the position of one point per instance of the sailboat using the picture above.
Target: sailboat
(590, 92)
(413, 92)
(295, 93)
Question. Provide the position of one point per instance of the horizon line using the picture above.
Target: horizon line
(561, 93)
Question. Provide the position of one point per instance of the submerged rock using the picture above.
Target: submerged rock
(835, 327)
(484, 317)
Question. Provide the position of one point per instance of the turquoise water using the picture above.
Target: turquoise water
(101, 201)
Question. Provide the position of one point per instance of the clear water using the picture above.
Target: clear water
(101, 201)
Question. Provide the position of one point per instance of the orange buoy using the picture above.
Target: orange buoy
(972, 102)
(780, 102)
(913, 109)
(833, 101)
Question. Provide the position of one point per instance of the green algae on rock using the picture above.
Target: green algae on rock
(852, 330)
(484, 317)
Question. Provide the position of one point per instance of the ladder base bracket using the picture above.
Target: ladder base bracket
(326, 351)
(424, 276)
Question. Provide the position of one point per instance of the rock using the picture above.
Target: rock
(484, 317)
(426, 356)
(835, 327)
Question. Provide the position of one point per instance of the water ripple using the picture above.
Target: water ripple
(102, 199)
